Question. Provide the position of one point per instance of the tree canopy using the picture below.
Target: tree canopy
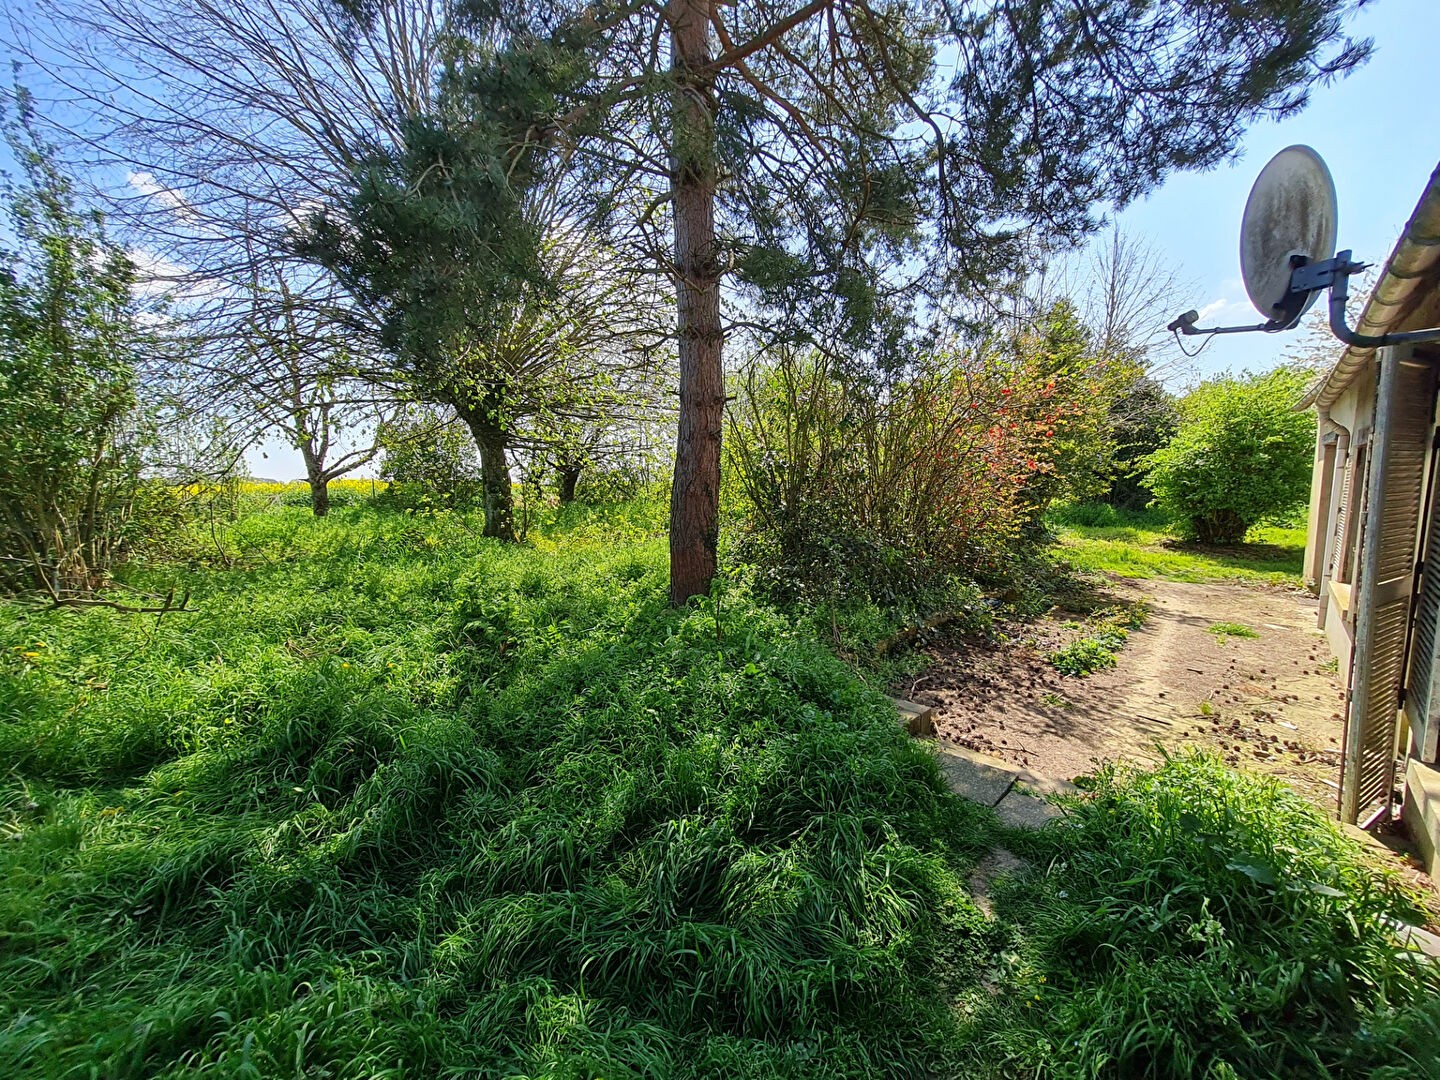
(848, 171)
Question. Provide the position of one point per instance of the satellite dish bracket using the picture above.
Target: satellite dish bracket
(1308, 277)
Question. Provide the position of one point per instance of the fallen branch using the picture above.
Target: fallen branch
(167, 605)
(910, 633)
(129, 609)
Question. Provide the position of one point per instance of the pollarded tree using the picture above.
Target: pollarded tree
(526, 352)
(1241, 454)
(847, 165)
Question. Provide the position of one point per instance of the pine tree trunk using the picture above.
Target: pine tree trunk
(495, 479)
(695, 494)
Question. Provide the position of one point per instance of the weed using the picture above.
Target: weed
(1223, 631)
(1197, 922)
(1107, 636)
(1087, 655)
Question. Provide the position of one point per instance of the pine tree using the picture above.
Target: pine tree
(837, 171)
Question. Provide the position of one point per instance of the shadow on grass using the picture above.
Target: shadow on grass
(1283, 558)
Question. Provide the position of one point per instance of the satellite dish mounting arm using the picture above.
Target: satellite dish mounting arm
(1340, 293)
(1185, 324)
(1306, 278)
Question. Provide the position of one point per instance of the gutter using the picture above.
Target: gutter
(1407, 285)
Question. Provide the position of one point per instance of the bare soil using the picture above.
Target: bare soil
(1270, 704)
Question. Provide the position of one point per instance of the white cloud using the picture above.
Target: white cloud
(1213, 308)
(300, 212)
(146, 184)
(1225, 310)
(155, 275)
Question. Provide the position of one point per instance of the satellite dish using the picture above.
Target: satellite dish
(1291, 212)
(1287, 255)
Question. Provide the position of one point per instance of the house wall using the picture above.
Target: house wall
(1341, 446)
(1320, 497)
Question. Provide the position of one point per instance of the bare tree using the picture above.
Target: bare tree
(278, 359)
(1125, 293)
(232, 119)
(236, 122)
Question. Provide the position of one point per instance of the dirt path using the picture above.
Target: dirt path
(1270, 703)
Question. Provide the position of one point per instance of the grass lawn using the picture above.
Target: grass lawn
(393, 800)
(1141, 544)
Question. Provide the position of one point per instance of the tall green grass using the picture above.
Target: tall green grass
(1197, 922)
(395, 800)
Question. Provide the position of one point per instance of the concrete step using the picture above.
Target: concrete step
(919, 719)
(1016, 793)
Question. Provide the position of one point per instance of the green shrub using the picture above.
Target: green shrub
(849, 484)
(1242, 454)
(623, 478)
(428, 464)
(71, 429)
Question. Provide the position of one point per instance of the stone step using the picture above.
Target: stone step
(919, 719)
(1017, 794)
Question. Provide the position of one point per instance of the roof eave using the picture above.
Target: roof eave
(1405, 297)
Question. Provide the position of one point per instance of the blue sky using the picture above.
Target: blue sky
(1379, 131)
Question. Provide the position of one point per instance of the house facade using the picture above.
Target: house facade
(1373, 547)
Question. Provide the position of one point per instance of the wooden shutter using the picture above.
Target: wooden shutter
(1342, 502)
(1350, 519)
(1422, 702)
(1391, 499)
